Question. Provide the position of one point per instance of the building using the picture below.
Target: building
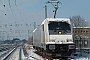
(82, 37)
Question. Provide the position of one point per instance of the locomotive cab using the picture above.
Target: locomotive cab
(60, 38)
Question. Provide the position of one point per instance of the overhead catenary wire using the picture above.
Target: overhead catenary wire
(13, 16)
(1, 26)
(5, 14)
(2, 10)
(18, 10)
(25, 18)
(12, 13)
(15, 2)
(7, 10)
(11, 10)
(22, 9)
(41, 14)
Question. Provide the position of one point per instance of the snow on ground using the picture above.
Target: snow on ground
(80, 56)
(33, 56)
(22, 55)
(81, 59)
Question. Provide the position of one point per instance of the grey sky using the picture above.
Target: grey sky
(29, 11)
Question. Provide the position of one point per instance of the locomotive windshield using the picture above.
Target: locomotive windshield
(59, 27)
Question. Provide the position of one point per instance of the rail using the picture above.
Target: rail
(50, 57)
(21, 54)
(5, 57)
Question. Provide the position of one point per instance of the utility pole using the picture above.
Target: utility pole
(55, 5)
(28, 34)
(80, 41)
(80, 46)
(34, 25)
(45, 11)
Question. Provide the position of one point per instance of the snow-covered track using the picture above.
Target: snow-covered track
(12, 55)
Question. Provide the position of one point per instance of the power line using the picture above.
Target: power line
(18, 10)
(2, 24)
(11, 9)
(6, 9)
(2, 10)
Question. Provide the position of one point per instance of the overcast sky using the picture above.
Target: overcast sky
(30, 11)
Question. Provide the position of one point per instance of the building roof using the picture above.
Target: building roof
(81, 27)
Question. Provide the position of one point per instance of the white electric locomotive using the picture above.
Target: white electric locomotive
(54, 36)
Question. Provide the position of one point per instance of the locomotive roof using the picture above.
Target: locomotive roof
(57, 19)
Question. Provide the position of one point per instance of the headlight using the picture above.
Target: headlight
(69, 40)
(71, 46)
(51, 47)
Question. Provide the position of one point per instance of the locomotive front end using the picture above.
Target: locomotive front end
(60, 38)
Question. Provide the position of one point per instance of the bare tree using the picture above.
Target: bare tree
(78, 21)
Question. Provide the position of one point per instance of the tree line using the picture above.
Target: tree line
(78, 21)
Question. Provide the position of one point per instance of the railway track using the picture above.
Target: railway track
(50, 57)
(12, 55)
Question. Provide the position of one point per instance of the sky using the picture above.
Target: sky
(30, 11)
(21, 14)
